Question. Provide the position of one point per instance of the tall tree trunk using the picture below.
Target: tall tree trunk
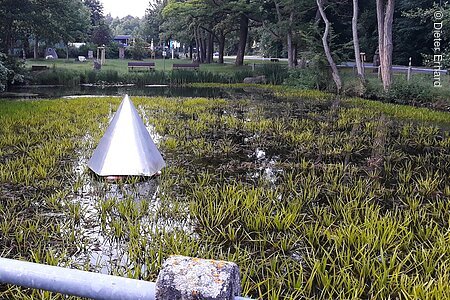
(326, 47)
(209, 47)
(359, 66)
(221, 47)
(190, 51)
(296, 54)
(385, 18)
(292, 57)
(36, 47)
(67, 51)
(203, 47)
(198, 44)
(243, 32)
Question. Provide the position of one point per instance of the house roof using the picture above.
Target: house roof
(122, 37)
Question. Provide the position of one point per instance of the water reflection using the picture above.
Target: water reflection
(119, 90)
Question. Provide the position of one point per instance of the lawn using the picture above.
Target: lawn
(121, 66)
(310, 199)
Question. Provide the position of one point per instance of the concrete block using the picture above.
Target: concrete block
(187, 278)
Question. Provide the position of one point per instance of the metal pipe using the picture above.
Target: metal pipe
(74, 282)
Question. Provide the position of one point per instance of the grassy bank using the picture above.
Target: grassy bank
(121, 66)
(418, 92)
(311, 200)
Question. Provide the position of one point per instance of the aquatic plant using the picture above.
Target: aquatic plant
(311, 202)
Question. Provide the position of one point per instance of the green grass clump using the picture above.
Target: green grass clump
(311, 200)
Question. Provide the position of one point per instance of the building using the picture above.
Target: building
(125, 40)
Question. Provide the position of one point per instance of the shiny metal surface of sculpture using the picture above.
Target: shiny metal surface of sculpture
(127, 148)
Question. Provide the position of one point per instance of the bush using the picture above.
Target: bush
(108, 76)
(355, 87)
(83, 50)
(11, 70)
(138, 50)
(57, 77)
(3, 77)
(62, 53)
(309, 78)
(112, 51)
(180, 77)
(141, 79)
(239, 76)
(275, 73)
(413, 92)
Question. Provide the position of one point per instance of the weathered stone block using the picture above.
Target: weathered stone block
(186, 278)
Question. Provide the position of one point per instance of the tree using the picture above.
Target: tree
(288, 12)
(14, 22)
(385, 18)
(101, 34)
(138, 50)
(326, 47)
(200, 17)
(243, 33)
(356, 40)
(154, 20)
(96, 11)
(417, 25)
(10, 70)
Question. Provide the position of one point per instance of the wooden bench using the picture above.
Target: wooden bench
(138, 65)
(193, 66)
(38, 68)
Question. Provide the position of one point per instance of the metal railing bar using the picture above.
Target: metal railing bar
(74, 282)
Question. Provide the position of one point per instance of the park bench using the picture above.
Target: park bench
(193, 66)
(132, 65)
(38, 68)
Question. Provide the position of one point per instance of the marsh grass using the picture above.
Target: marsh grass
(283, 187)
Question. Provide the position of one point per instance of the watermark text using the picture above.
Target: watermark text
(437, 48)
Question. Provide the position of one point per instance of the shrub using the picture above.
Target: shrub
(11, 71)
(275, 73)
(109, 76)
(309, 78)
(138, 50)
(413, 92)
(354, 87)
(112, 50)
(240, 75)
(57, 77)
(62, 53)
(83, 50)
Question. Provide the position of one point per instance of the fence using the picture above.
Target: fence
(76, 282)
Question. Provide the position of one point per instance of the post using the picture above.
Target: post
(408, 77)
(190, 278)
(164, 60)
(103, 55)
(363, 59)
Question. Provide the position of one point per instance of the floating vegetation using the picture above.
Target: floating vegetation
(311, 202)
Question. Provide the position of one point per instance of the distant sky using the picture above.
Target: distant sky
(122, 8)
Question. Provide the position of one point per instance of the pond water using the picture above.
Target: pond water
(43, 91)
(102, 249)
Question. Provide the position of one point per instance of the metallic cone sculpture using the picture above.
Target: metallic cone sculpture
(126, 149)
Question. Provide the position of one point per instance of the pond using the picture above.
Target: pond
(49, 92)
(288, 186)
